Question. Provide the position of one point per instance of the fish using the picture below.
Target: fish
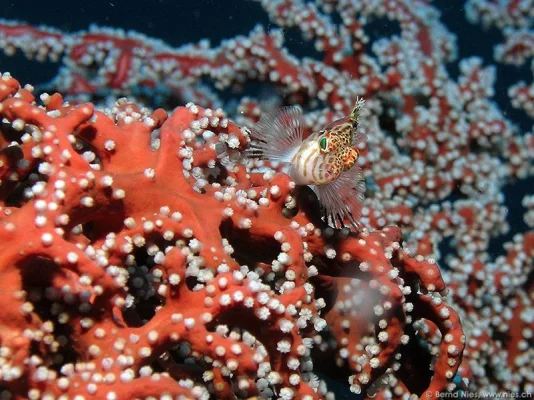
(326, 160)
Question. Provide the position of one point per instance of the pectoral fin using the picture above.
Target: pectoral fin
(343, 198)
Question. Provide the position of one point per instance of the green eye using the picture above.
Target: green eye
(323, 143)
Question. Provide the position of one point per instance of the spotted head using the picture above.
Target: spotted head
(333, 139)
(339, 139)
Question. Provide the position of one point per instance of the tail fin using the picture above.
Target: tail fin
(277, 135)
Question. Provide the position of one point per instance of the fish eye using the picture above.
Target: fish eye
(323, 144)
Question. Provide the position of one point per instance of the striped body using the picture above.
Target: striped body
(309, 166)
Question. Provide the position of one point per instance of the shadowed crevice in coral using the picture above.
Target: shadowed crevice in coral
(53, 308)
(246, 322)
(143, 299)
(414, 362)
(248, 249)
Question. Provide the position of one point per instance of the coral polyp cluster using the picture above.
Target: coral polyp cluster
(136, 263)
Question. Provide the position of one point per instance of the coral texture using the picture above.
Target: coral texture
(120, 261)
(154, 221)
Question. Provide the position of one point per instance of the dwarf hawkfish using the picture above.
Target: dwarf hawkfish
(325, 160)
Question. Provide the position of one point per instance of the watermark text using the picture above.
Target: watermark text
(467, 394)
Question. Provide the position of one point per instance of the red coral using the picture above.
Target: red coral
(136, 264)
